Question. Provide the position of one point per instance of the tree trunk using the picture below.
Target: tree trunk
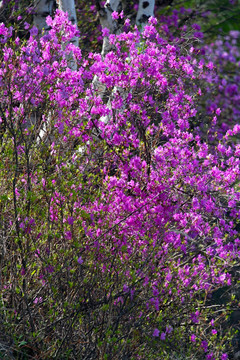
(145, 11)
(43, 8)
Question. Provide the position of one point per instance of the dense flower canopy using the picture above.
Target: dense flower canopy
(121, 215)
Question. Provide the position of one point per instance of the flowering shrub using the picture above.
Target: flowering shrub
(118, 220)
(224, 80)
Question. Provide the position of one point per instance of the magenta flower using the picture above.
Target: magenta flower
(224, 356)
(195, 317)
(38, 300)
(105, 32)
(156, 333)
(210, 356)
(80, 260)
(163, 336)
(33, 31)
(26, 25)
(115, 15)
(193, 338)
(70, 220)
(204, 345)
(68, 235)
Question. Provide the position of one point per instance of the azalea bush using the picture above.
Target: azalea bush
(224, 79)
(118, 220)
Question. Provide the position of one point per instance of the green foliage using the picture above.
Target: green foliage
(215, 16)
